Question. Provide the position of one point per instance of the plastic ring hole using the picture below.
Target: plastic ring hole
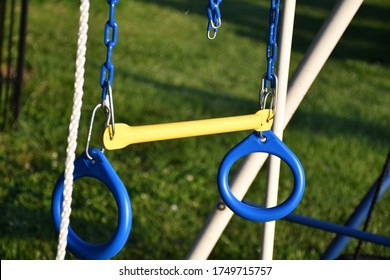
(257, 192)
(94, 211)
(286, 182)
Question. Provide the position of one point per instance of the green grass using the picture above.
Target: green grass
(166, 70)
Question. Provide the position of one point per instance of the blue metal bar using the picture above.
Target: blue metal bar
(350, 229)
(357, 218)
(339, 229)
(381, 179)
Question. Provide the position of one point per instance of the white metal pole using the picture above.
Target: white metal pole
(319, 52)
(271, 199)
(299, 85)
(221, 215)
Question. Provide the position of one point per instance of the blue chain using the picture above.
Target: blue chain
(110, 40)
(214, 16)
(272, 45)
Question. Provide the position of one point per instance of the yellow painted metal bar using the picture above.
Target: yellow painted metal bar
(126, 135)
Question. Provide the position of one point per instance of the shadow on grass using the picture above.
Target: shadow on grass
(24, 223)
(366, 38)
(350, 128)
(211, 104)
(26, 216)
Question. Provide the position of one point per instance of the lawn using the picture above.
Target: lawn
(166, 70)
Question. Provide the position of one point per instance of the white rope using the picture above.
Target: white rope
(73, 128)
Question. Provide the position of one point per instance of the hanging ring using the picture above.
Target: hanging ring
(271, 145)
(100, 169)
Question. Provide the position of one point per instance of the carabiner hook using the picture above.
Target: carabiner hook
(108, 117)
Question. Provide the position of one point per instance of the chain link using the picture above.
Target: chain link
(110, 40)
(272, 44)
(107, 69)
(214, 16)
(269, 82)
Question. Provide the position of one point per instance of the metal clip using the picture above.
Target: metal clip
(211, 25)
(108, 105)
(214, 34)
(268, 91)
(108, 117)
(214, 16)
(216, 26)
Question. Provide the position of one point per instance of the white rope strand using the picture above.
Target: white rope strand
(73, 128)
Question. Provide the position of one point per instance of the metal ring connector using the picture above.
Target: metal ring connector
(268, 89)
(108, 105)
(216, 26)
(108, 117)
(209, 34)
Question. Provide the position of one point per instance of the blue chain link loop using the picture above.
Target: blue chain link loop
(110, 40)
(272, 44)
(214, 16)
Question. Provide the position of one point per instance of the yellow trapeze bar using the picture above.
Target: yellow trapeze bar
(126, 135)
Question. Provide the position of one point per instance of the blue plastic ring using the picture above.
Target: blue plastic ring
(100, 169)
(272, 145)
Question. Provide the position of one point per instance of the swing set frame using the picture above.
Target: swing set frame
(290, 95)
